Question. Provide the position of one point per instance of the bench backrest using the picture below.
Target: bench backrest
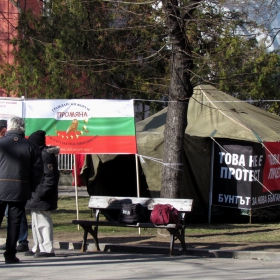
(109, 202)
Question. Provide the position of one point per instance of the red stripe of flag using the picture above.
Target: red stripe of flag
(94, 144)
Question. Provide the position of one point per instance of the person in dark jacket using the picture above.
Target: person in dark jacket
(21, 171)
(44, 199)
(23, 233)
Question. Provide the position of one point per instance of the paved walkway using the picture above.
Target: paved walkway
(70, 264)
(138, 249)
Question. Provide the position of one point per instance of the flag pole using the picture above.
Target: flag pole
(137, 166)
(76, 189)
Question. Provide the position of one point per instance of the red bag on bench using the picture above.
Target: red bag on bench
(163, 214)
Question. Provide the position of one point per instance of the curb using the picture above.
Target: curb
(243, 255)
(120, 248)
(117, 248)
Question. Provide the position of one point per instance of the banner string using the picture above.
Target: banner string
(211, 101)
(233, 120)
(243, 166)
(270, 153)
(170, 165)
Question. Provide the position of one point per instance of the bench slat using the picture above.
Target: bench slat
(109, 202)
(117, 224)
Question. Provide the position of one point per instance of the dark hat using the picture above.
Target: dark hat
(3, 123)
(38, 137)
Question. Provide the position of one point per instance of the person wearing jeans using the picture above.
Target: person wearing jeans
(21, 171)
(23, 233)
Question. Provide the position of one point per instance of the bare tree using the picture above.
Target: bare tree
(180, 91)
(179, 16)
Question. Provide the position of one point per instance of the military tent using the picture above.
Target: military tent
(212, 114)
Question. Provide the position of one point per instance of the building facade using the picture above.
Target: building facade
(9, 15)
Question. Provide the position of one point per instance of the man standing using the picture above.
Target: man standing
(23, 234)
(44, 199)
(21, 171)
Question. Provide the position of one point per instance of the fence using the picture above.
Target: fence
(65, 162)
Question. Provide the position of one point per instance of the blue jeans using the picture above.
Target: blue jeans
(23, 232)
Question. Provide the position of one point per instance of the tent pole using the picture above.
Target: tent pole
(76, 188)
(137, 175)
(137, 181)
(250, 218)
(211, 184)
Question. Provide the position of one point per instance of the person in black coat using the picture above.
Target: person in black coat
(44, 199)
(21, 170)
(23, 233)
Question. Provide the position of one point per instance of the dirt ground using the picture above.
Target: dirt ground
(259, 237)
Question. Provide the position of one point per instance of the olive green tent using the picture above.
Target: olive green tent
(212, 114)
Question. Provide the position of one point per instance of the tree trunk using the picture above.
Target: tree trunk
(180, 91)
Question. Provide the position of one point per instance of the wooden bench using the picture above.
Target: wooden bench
(105, 203)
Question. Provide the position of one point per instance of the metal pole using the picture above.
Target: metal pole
(137, 175)
(250, 219)
(137, 180)
(211, 184)
(76, 189)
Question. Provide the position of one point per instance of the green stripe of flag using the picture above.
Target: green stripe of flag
(95, 126)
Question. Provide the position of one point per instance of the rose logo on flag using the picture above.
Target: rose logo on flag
(73, 126)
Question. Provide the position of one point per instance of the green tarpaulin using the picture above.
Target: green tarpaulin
(211, 113)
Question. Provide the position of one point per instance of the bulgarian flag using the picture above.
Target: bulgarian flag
(83, 126)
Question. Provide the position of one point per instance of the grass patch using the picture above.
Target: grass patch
(197, 235)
